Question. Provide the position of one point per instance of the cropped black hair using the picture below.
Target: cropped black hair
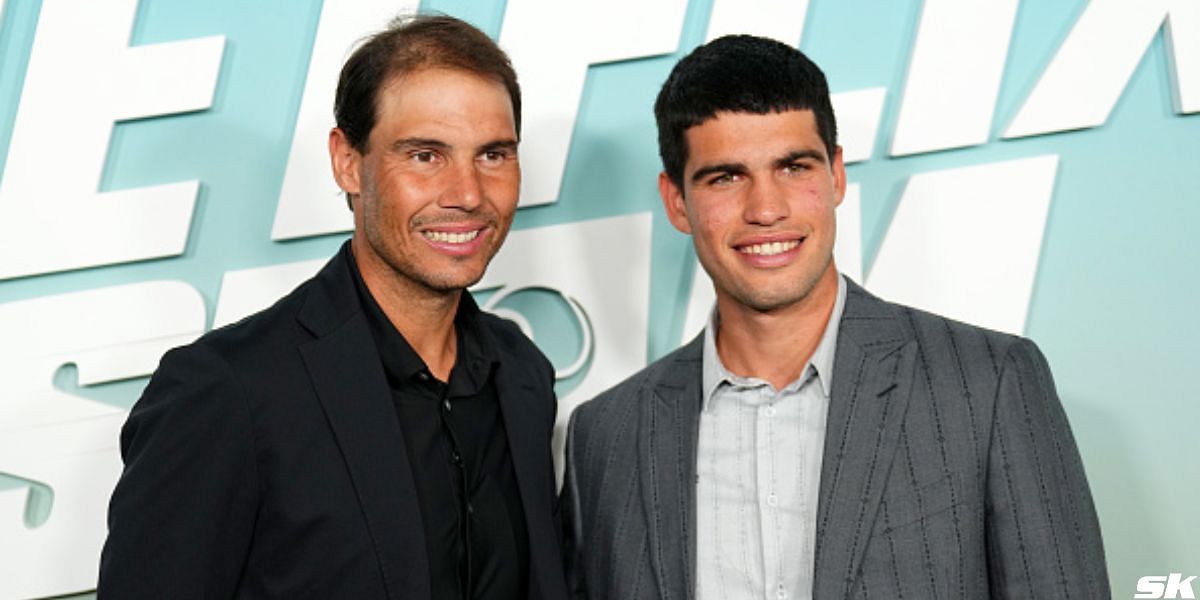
(740, 74)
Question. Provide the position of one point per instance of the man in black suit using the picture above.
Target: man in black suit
(372, 434)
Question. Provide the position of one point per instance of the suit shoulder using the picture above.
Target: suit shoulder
(934, 329)
(631, 389)
(955, 352)
(250, 344)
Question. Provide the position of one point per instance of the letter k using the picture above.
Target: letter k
(1179, 588)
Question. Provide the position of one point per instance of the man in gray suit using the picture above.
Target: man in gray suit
(815, 441)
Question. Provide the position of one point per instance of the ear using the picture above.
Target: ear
(346, 162)
(673, 202)
(838, 167)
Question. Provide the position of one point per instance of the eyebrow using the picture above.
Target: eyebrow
(505, 144)
(796, 155)
(737, 168)
(419, 142)
(416, 142)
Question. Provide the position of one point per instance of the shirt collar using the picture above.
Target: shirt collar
(714, 372)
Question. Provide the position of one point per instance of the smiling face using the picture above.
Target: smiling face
(759, 194)
(435, 191)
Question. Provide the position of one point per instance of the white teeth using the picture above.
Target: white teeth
(448, 237)
(769, 248)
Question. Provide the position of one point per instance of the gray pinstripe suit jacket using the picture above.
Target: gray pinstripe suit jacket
(949, 472)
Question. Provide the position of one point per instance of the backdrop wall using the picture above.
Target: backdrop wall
(1027, 166)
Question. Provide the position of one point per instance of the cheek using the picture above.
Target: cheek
(715, 222)
(818, 202)
(503, 189)
(394, 175)
(401, 195)
(396, 187)
(707, 211)
(385, 215)
(708, 227)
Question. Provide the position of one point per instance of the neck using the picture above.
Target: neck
(423, 316)
(775, 345)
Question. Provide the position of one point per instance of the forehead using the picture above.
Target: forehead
(740, 136)
(436, 96)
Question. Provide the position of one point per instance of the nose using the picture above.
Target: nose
(464, 188)
(765, 203)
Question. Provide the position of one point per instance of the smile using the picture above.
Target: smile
(769, 248)
(451, 237)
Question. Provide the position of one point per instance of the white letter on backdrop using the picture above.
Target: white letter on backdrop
(954, 79)
(1082, 84)
(781, 20)
(66, 442)
(551, 44)
(83, 76)
(940, 250)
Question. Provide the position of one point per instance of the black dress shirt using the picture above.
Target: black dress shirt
(474, 525)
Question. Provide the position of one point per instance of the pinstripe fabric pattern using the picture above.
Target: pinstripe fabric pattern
(949, 472)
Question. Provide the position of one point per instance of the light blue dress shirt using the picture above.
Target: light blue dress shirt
(758, 471)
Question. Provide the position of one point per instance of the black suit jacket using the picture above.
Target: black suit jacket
(265, 460)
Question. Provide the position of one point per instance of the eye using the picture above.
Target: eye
(423, 156)
(723, 179)
(494, 157)
(796, 168)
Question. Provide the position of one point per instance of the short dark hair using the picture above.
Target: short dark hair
(409, 44)
(738, 73)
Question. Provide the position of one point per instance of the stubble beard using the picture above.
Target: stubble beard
(771, 300)
(408, 266)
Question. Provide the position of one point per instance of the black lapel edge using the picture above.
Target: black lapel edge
(529, 443)
(351, 386)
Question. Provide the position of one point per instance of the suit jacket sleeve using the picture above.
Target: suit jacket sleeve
(1043, 535)
(181, 516)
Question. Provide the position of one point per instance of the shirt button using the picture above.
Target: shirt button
(423, 376)
(781, 594)
(770, 411)
(772, 500)
(446, 405)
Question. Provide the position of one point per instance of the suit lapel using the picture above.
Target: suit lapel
(872, 376)
(669, 426)
(529, 445)
(350, 383)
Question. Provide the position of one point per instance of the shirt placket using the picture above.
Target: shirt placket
(810, 432)
(769, 491)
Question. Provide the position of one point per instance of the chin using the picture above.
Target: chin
(769, 304)
(452, 281)
(767, 300)
(447, 285)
